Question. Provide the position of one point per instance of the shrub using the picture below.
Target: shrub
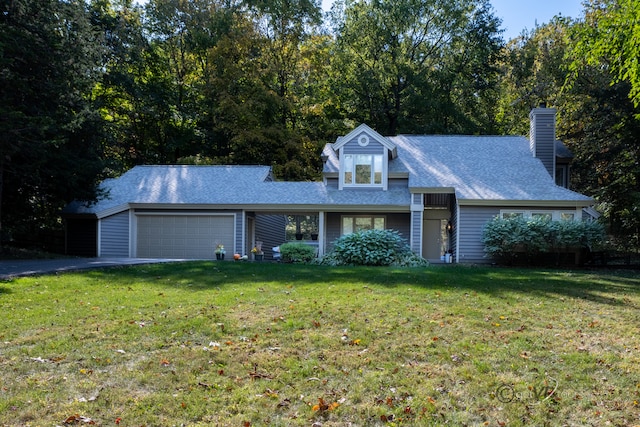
(373, 247)
(297, 252)
(505, 238)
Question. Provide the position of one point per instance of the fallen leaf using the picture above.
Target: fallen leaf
(323, 406)
(76, 419)
(284, 403)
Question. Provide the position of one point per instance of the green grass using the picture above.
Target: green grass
(238, 344)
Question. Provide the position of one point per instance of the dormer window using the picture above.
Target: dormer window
(363, 169)
(363, 156)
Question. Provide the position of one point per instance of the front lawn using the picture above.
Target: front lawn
(255, 344)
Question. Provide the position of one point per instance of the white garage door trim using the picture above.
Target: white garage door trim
(190, 235)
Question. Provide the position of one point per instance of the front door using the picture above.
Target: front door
(435, 240)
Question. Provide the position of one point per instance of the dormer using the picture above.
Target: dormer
(364, 157)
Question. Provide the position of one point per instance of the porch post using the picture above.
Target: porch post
(417, 212)
(321, 231)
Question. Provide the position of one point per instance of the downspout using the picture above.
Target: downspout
(457, 227)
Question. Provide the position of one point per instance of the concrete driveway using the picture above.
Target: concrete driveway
(18, 268)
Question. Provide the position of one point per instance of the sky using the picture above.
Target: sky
(517, 15)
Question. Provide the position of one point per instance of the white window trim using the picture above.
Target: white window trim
(384, 218)
(385, 172)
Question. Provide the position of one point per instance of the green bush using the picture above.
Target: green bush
(373, 247)
(505, 238)
(297, 252)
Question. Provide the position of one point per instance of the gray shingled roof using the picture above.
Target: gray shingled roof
(225, 185)
(476, 168)
(479, 168)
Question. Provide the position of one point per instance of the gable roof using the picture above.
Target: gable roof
(478, 168)
(372, 134)
(227, 187)
(170, 185)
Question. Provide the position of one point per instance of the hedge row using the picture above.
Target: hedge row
(505, 238)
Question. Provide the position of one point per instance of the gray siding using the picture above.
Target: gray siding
(471, 221)
(270, 230)
(114, 235)
(332, 227)
(332, 183)
(453, 237)
(400, 222)
(542, 137)
(396, 183)
(352, 147)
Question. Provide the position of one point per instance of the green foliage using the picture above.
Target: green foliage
(49, 131)
(505, 238)
(416, 66)
(609, 37)
(373, 247)
(596, 120)
(297, 252)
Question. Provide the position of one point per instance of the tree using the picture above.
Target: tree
(534, 71)
(595, 118)
(49, 153)
(610, 36)
(396, 59)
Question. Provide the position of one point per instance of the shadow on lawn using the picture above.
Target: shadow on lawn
(602, 287)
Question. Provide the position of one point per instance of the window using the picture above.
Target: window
(562, 176)
(352, 224)
(362, 169)
(542, 215)
(546, 215)
(509, 215)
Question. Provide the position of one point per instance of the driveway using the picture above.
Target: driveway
(18, 268)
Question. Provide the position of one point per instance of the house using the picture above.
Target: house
(438, 191)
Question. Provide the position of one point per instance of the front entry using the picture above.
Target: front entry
(435, 241)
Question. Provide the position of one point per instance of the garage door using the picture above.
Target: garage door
(183, 236)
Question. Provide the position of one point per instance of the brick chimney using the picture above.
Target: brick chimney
(542, 137)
